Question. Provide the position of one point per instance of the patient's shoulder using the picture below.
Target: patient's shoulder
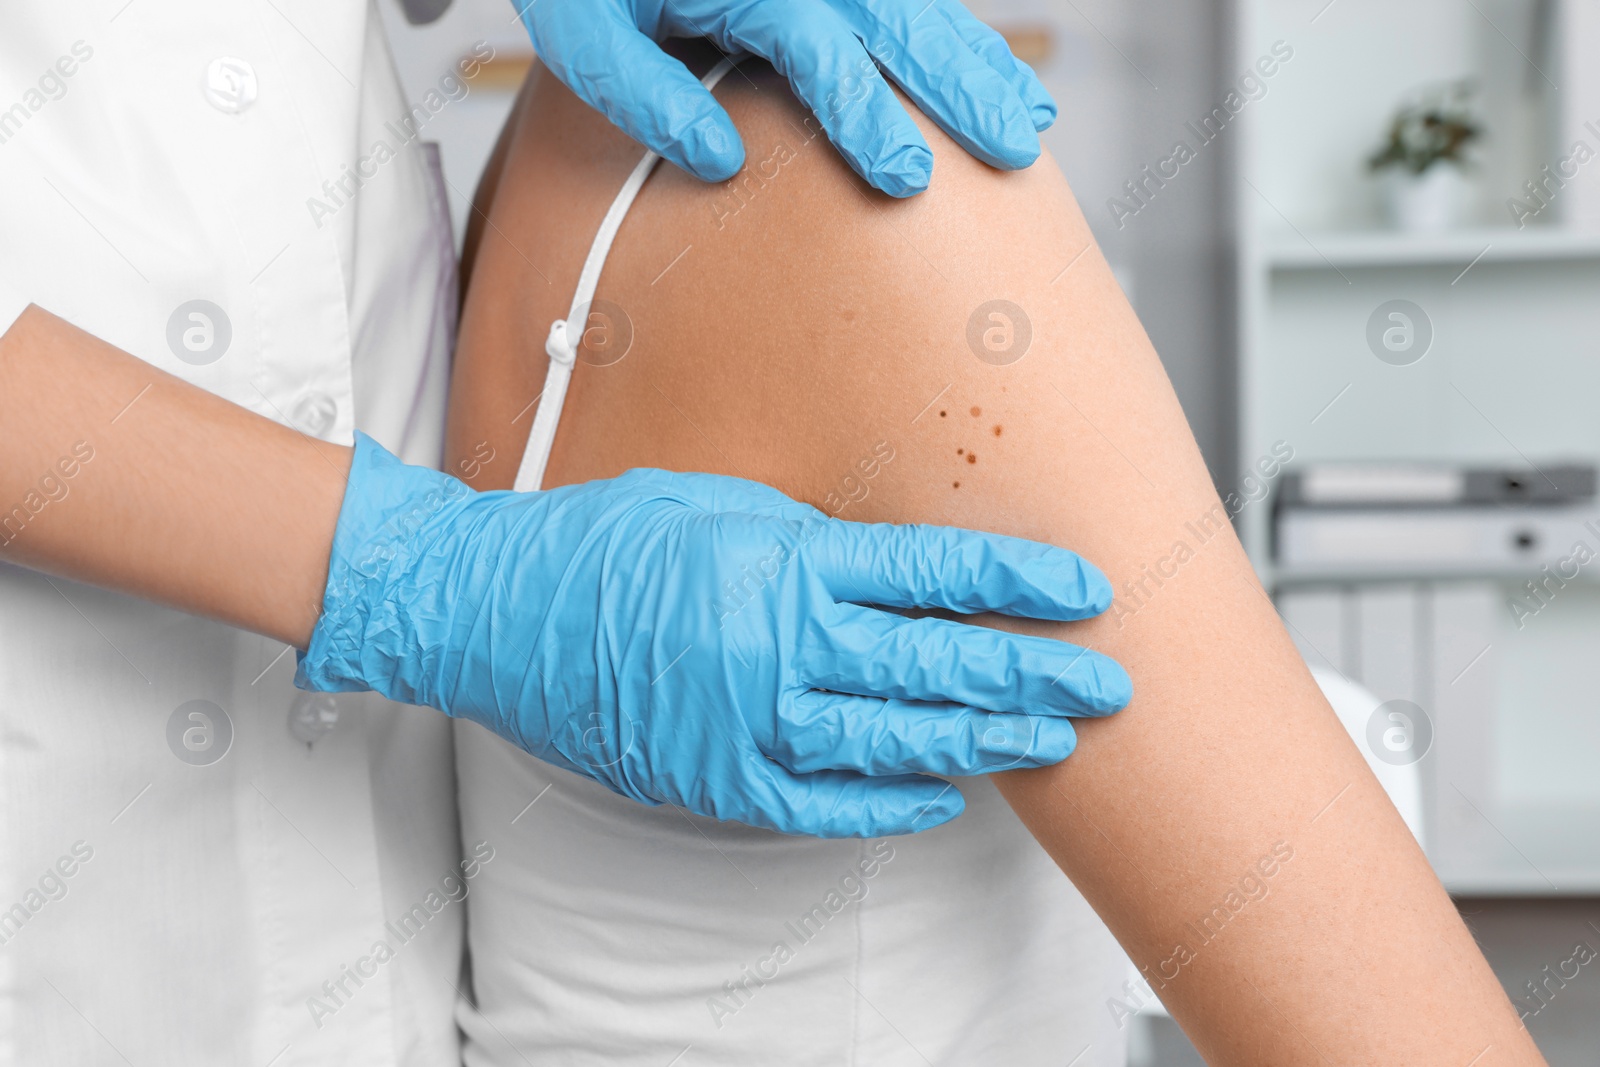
(794, 221)
(794, 281)
(801, 251)
(796, 195)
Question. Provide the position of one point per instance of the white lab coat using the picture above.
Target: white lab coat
(192, 853)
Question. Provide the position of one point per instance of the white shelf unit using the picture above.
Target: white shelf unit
(1339, 250)
(1512, 377)
(1511, 374)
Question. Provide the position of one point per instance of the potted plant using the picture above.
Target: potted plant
(1423, 162)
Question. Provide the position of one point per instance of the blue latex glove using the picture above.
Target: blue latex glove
(958, 71)
(702, 641)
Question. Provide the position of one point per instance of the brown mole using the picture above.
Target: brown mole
(976, 412)
(972, 457)
(997, 431)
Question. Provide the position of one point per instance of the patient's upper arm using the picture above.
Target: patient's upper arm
(965, 357)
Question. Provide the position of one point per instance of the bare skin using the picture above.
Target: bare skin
(786, 333)
(175, 495)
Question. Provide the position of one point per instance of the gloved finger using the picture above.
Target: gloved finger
(649, 95)
(873, 653)
(844, 804)
(962, 570)
(873, 735)
(994, 50)
(832, 74)
(961, 92)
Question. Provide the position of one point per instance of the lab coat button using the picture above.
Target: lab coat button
(312, 716)
(230, 84)
(314, 413)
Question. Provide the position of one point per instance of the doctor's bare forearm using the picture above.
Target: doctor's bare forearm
(115, 473)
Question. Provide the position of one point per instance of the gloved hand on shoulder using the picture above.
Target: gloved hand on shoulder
(708, 642)
(958, 71)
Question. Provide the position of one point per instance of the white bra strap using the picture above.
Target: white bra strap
(566, 335)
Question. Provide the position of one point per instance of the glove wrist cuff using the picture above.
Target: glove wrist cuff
(384, 524)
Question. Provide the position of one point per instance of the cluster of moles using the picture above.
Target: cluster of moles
(972, 457)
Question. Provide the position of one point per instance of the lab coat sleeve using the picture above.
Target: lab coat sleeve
(12, 304)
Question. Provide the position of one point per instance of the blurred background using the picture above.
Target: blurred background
(1365, 238)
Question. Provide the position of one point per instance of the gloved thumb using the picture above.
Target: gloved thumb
(846, 804)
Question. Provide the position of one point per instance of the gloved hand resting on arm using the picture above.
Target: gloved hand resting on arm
(707, 642)
(958, 71)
